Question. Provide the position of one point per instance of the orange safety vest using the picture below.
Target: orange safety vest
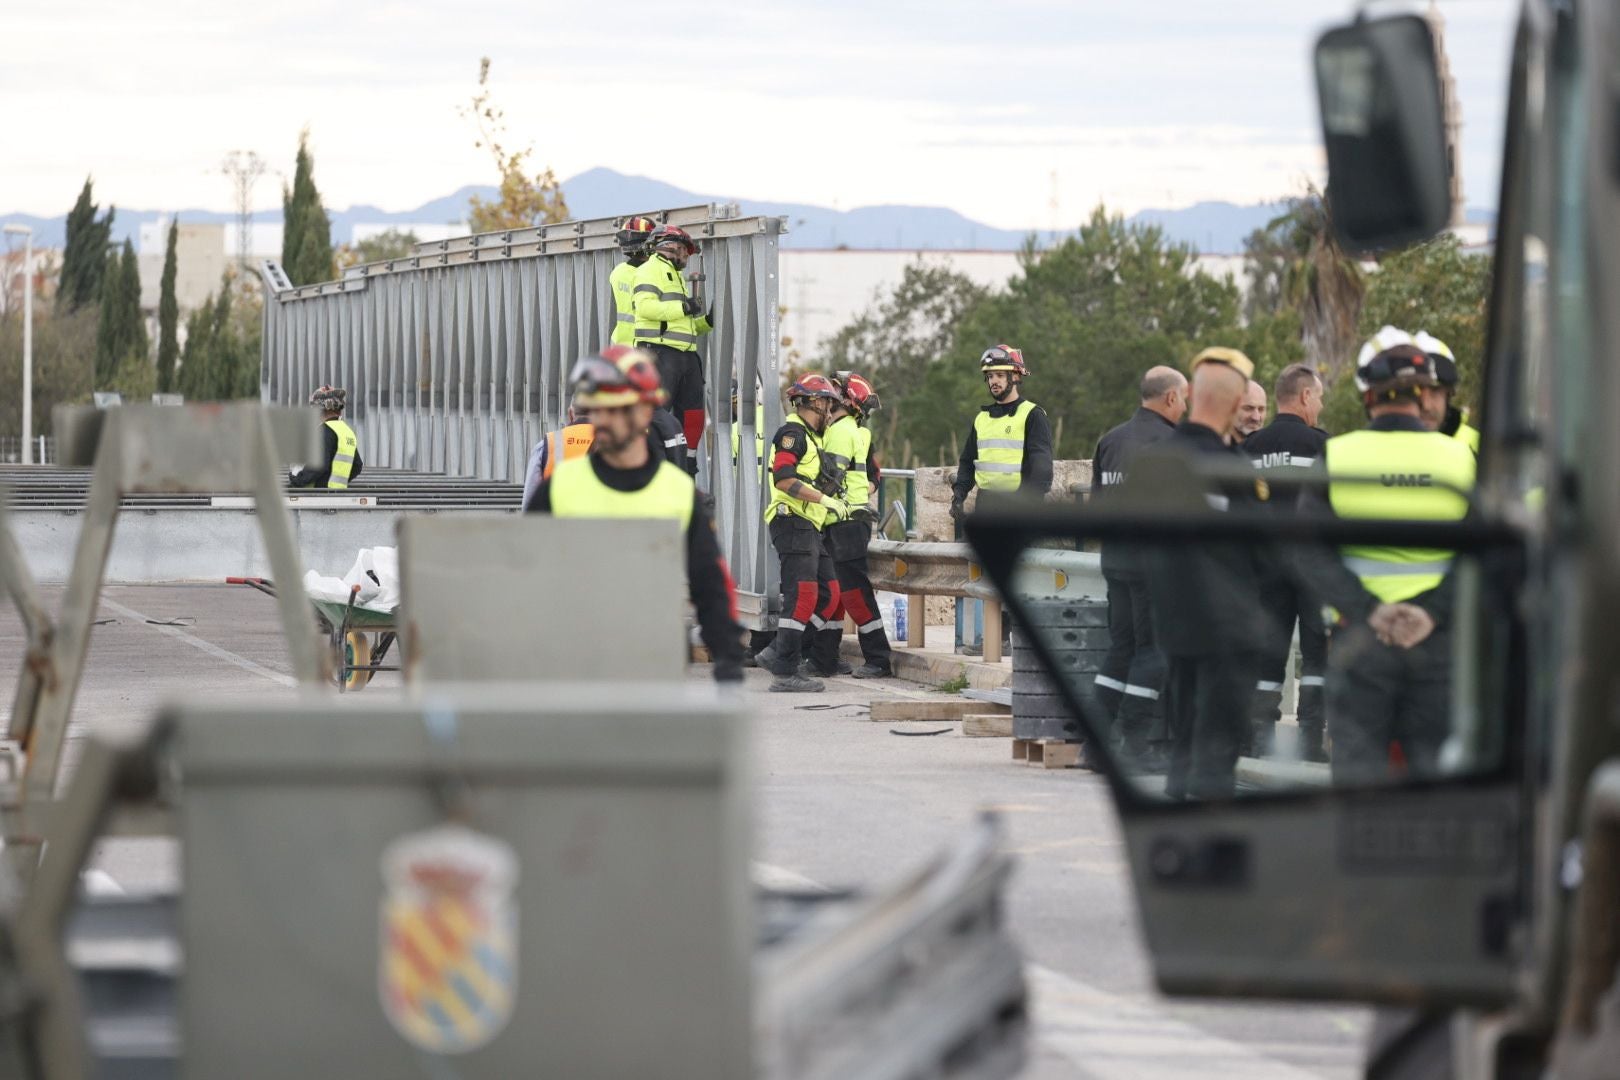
(576, 442)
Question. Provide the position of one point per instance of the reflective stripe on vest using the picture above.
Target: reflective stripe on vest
(577, 492)
(844, 449)
(343, 460)
(576, 442)
(1404, 475)
(623, 282)
(809, 470)
(1000, 441)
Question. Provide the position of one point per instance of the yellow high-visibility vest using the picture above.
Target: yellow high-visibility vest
(343, 460)
(809, 470)
(1000, 439)
(1404, 475)
(577, 492)
(623, 283)
(656, 301)
(845, 446)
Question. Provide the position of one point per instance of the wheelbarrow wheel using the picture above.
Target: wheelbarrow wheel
(356, 654)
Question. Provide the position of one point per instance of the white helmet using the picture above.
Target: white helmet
(1387, 338)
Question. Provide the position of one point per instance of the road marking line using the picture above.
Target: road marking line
(1109, 1036)
(206, 646)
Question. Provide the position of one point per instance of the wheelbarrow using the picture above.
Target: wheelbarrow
(360, 637)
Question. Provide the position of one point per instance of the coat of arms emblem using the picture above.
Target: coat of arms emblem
(447, 970)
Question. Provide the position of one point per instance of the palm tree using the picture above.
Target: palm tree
(1322, 283)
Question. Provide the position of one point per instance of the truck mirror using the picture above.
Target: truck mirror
(1383, 126)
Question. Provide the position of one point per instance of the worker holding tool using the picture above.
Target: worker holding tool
(341, 462)
(632, 239)
(669, 321)
(616, 392)
(849, 473)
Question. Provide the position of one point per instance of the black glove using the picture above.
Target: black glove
(863, 514)
(957, 510)
(691, 305)
(726, 671)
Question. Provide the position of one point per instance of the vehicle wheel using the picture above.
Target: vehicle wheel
(356, 653)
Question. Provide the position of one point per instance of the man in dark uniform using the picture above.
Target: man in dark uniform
(1290, 443)
(1202, 596)
(1132, 675)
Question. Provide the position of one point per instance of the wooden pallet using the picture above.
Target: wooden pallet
(1047, 753)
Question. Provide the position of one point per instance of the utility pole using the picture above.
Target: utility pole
(28, 340)
(244, 167)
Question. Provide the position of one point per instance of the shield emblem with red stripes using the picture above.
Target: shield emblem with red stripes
(447, 970)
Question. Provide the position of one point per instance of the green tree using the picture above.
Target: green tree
(523, 201)
(168, 316)
(898, 338)
(196, 377)
(64, 362)
(1091, 314)
(1436, 287)
(84, 259)
(306, 237)
(122, 330)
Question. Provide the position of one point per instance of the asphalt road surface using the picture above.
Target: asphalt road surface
(841, 801)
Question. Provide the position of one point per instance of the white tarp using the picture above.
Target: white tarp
(376, 571)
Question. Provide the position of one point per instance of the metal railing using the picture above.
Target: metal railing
(43, 447)
(456, 357)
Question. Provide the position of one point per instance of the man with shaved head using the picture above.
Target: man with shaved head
(1128, 684)
(1203, 595)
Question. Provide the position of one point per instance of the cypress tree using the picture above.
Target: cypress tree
(84, 258)
(306, 233)
(168, 318)
(194, 377)
(121, 332)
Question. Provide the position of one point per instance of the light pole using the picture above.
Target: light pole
(28, 340)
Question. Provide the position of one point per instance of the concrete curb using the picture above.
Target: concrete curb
(935, 669)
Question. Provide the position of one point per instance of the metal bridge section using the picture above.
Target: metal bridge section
(456, 357)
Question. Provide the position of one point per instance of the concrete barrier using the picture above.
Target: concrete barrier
(151, 546)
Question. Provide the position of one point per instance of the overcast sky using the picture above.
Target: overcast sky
(992, 108)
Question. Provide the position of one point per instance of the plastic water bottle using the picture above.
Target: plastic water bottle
(900, 619)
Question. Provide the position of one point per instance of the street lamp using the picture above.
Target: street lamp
(28, 339)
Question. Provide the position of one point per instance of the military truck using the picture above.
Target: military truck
(1474, 900)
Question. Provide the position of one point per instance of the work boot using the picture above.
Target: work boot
(840, 667)
(767, 657)
(1262, 739)
(872, 670)
(750, 660)
(796, 684)
(1312, 746)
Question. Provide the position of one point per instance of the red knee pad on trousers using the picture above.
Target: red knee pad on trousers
(833, 602)
(804, 602)
(855, 604)
(692, 426)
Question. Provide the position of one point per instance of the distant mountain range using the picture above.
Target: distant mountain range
(1211, 227)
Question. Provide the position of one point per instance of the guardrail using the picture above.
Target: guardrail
(922, 569)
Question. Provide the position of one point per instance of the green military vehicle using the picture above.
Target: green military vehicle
(1476, 901)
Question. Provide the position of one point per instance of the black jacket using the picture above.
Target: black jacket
(1035, 474)
(317, 476)
(1205, 594)
(708, 578)
(1286, 441)
(1111, 463)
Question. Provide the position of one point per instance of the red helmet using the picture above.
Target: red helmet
(670, 239)
(634, 234)
(813, 386)
(617, 376)
(858, 393)
(1003, 358)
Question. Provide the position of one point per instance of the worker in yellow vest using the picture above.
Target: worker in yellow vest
(632, 239)
(623, 477)
(1010, 446)
(846, 452)
(1389, 655)
(796, 514)
(669, 321)
(1439, 409)
(341, 464)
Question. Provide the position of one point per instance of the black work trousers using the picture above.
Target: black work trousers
(1388, 708)
(809, 596)
(1207, 703)
(1132, 676)
(1284, 604)
(847, 541)
(681, 373)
